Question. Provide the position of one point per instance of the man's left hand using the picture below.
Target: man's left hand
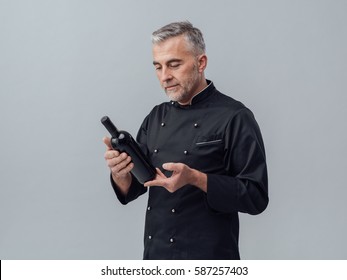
(182, 175)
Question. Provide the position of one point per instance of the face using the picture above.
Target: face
(180, 72)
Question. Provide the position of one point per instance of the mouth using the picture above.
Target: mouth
(171, 87)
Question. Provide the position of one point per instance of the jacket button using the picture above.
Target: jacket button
(172, 240)
(156, 150)
(149, 208)
(173, 210)
(149, 236)
(196, 125)
(185, 152)
(162, 124)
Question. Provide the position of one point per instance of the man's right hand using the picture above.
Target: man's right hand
(120, 165)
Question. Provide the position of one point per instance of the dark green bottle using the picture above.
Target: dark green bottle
(122, 141)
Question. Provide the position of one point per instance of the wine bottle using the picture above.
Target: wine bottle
(122, 141)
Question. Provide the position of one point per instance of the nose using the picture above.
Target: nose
(165, 75)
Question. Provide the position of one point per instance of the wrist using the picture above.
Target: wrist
(123, 182)
(198, 179)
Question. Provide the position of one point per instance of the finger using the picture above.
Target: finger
(158, 179)
(107, 141)
(119, 162)
(124, 171)
(160, 173)
(171, 166)
(128, 168)
(157, 182)
(165, 183)
(110, 154)
(152, 183)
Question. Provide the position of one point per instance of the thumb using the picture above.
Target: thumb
(107, 142)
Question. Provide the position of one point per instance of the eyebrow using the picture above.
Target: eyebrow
(169, 61)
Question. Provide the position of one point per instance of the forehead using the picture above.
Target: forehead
(176, 47)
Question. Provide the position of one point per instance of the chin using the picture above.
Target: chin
(174, 96)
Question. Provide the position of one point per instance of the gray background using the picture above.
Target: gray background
(64, 64)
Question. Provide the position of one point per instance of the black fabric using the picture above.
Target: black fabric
(220, 137)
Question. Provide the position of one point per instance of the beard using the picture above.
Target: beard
(179, 95)
(184, 90)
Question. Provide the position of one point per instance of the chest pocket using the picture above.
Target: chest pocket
(211, 140)
(209, 150)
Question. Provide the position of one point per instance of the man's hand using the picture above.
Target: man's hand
(182, 175)
(120, 165)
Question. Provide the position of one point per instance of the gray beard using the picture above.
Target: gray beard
(178, 97)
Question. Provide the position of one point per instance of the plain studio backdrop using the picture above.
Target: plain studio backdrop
(65, 64)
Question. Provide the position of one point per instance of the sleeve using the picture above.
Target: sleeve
(136, 188)
(244, 187)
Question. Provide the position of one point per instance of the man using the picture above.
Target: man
(209, 155)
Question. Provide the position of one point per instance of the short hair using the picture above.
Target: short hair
(192, 34)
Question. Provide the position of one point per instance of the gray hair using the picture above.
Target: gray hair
(192, 34)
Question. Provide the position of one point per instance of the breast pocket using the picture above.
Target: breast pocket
(209, 140)
(209, 150)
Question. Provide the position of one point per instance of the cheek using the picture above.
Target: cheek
(182, 75)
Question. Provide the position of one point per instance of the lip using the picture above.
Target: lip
(170, 87)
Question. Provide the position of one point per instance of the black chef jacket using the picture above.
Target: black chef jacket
(216, 135)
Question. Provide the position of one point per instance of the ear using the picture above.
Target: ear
(202, 63)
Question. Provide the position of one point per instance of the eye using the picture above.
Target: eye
(174, 65)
